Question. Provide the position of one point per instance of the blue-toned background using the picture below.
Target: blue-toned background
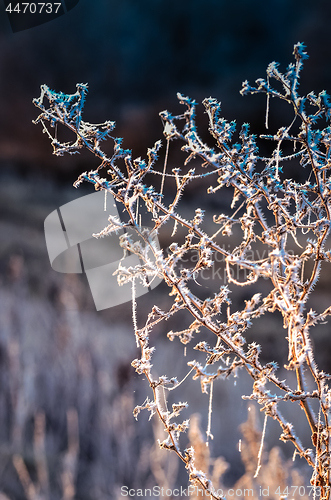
(137, 55)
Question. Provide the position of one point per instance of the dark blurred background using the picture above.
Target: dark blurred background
(137, 55)
(65, 369)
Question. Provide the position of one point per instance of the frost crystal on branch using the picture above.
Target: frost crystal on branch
(269, 209)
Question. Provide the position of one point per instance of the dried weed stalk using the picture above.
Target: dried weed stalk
(275, 211)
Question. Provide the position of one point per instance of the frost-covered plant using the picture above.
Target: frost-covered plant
(275, 211)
